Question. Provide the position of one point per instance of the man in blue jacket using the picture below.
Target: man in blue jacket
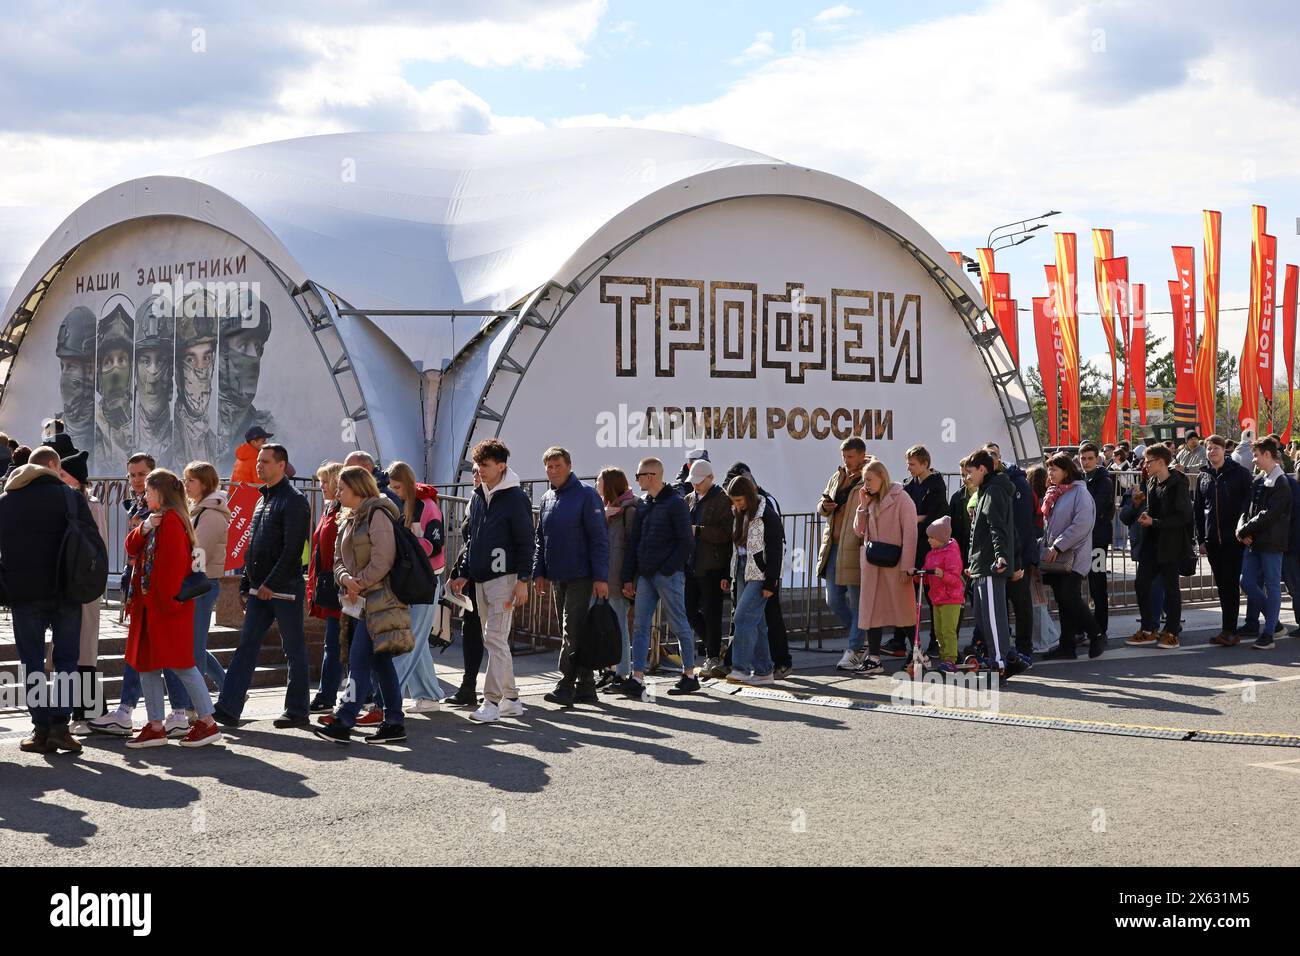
(572, 552)
(654, 569)
(498, 558)
(272, 565)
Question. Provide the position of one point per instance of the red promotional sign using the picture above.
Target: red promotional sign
(1182, 297)
(1140, 348)
(1004, 313)
(1248, 370)
(1207, 359)
(1047, 365)
(1289, 292)
(243, 499)
(1114, 273)
(1265, 345)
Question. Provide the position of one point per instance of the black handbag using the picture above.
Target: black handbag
(601, 642)
(884, 555)
(196, 584)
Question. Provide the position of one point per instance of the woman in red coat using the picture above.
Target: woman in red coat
(161, 636)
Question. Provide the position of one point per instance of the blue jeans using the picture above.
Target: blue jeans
(257, 621)
(365, 667)
(130, 693)
(189, 677)
(31, 620)
(671, 589)
(619, 604)
(749, 651)
(416, 675)
(208, 665)
(331, 663)
(843, 599)
(1261, 579)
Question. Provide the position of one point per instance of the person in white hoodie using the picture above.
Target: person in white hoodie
(498, 557)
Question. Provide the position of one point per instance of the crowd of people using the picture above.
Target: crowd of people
(892, 554)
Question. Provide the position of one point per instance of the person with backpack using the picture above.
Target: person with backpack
(620, 512)
(211, 520)
(755, 570)
(161, 635)
(837, 558)
(381, 625)
(422, 516)
(271, 588)
(571, 552)
(706, 569)
(323, 591)
(778, 638)
(498, 557)
(43, 523)
(73, 471)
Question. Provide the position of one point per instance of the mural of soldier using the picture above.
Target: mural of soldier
(194, 437)
(245, 326)
(75, 350)
(155, 356)
(114, 434)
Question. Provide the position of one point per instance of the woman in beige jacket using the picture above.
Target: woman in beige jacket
(367, 547)
(885, 513)
(211, 519)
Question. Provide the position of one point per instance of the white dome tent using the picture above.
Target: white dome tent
(427, 290)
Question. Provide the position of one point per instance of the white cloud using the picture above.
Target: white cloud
(840, 11)
(760, 49)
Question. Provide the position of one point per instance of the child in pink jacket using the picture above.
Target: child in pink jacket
(947, 587)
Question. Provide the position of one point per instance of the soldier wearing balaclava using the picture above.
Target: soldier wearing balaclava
(155, 349)
(75, 350)
(196, 357)
(114, 434)
(245, 326)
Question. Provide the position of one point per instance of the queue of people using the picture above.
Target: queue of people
(892, 554)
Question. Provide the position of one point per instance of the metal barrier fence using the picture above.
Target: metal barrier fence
(802, 595)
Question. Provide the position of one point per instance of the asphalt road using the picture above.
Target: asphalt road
(715, 778)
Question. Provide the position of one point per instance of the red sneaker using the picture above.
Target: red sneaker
(371, 718)
(201, 735)
(148, 737)
(325, 719)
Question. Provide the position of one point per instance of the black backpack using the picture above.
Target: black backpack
(602, 638)
(83, 558)
(412, 579)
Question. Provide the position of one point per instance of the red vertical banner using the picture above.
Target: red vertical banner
(1043, 328)
(1011, 329)
(1139, 302)
(1265, 344)
(956, 257)
(1289, 292)
(1067, 307)
(1103, 244)
(1004, 312)
(1248, 416)
(1114, 278)
(1207, 358)
(1182, 297)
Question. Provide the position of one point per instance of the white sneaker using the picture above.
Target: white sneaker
(424, 705)
(510, 708)
(79, 728)
(761, 679)
(487, 713)
(119, 723)
(850, 661)
(737, 677)
(177, 724)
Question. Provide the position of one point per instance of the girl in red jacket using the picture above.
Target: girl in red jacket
(161, 635)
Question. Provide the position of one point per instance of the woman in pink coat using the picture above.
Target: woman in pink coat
(886, 514)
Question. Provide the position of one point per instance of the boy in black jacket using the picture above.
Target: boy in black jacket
(1265, 530)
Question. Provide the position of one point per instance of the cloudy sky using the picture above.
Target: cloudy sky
(1133, 116)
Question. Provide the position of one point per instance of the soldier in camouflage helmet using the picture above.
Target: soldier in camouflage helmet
(114, 434)
(245, 326)
(155, 352)
(196, 353)
(75, 350)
